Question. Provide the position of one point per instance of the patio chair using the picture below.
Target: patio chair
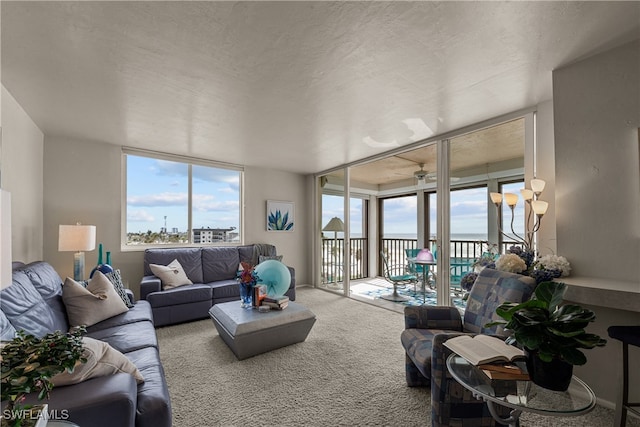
(428, 327)
(397, 275)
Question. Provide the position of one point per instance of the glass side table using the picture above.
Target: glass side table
(61, 423)
(521, 396)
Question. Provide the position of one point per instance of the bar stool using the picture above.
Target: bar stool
(627, 335)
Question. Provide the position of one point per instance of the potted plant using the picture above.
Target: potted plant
(29, 364)
(551, 334)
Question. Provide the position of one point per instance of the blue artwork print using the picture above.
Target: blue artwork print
(280, 216)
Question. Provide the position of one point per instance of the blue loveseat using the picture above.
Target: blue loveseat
(212, 270)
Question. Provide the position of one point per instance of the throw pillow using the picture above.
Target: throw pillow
(171, 275)
(102, 360)
(116, 279)
(93, 304)
(267, 257)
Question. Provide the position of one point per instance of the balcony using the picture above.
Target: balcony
(463, 253)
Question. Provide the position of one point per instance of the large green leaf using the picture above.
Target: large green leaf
(590, 341)
(551, 293)
(573, 356)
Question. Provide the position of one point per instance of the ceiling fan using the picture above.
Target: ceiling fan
(422, 175)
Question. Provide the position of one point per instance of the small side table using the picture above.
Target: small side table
(521, 396)
(426, 266)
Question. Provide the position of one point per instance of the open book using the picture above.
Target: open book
(482, 349)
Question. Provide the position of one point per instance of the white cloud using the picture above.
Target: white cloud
(161, 199)
(140, 216)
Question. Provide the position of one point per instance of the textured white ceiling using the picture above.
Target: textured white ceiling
(298, 86)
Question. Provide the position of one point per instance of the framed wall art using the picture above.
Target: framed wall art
(280, 216)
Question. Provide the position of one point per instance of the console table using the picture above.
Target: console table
(521, 396)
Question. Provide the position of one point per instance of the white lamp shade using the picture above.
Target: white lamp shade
(496, 198)
(539, 207)
(511, 199)
(526, 194)
(335, 224)
(76, 238)
(537, 185)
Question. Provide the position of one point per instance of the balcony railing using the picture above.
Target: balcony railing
(332, 250)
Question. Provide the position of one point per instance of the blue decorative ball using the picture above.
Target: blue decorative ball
(275, 276)
(103, 268)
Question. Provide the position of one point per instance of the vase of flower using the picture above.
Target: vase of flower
(246, 293)
(247, 279)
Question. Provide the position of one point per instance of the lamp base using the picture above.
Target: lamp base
(78, 266)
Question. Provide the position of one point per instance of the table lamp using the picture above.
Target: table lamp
(77, 238)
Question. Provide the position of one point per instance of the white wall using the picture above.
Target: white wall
(22, 176)
(83, 183)
(597, 115)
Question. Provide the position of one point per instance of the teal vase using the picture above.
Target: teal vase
(103, 268)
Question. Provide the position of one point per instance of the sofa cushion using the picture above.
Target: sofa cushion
(181, 295)
(245, 253)
(189, 258)
(93, 304)
(154, 403)
(140, 312)
(44, 278)
(7, 331)
(129, 337)
(26, 309)
(219, 263)
(225, 289)
(116, 280)
(102, 360)
(171, 275)
(491, 289)
(48, 284)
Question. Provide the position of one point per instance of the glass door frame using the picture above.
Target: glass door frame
(442, 197)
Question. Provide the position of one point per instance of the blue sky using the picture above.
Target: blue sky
(159, 188)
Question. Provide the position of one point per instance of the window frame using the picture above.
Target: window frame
(190, 162)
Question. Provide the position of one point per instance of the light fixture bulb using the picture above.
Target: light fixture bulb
(539, 207)
(537, 185)
(496, 198)
(511, 199)
(526, 194)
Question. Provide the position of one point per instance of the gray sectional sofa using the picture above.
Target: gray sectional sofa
(213, 273)
(34, 304)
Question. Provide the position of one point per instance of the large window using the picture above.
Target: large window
(174, 201)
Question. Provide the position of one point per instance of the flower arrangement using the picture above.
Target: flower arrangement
(467, 281)
(511, 263)
(555, 262)
(246, 274)
(29, 364)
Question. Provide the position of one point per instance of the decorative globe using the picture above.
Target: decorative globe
(275, 276)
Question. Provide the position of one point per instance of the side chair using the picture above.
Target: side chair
(428, 327)
(397, 275)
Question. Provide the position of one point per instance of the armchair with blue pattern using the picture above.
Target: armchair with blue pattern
(428, 327)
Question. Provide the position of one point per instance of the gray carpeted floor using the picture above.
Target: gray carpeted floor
(349, 371)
